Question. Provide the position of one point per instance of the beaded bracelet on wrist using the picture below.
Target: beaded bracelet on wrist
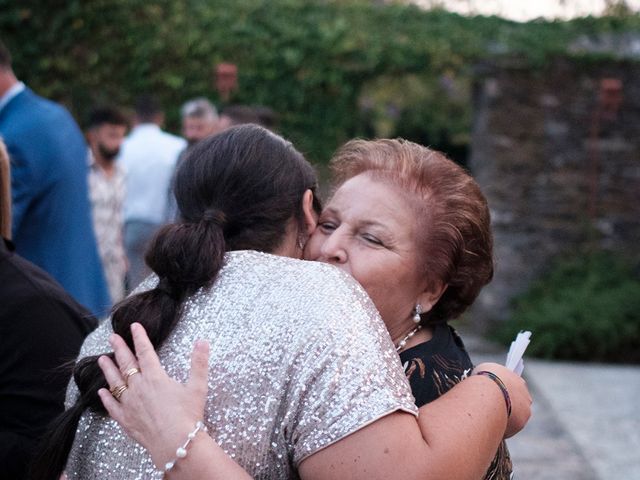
(181, 452)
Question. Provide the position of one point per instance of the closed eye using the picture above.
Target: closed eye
(373, 240)
(327, 226)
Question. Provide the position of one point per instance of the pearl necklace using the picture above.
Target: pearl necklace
(402, 343)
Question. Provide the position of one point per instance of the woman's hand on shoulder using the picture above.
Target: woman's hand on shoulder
(154, 409)
(518, 392)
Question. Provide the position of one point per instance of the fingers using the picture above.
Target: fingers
(113, 407)
(111, 372)
(145, 352)
(124, 356)
(199, 375)
(114, 379)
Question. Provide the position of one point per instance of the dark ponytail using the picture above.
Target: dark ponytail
(236, 190)
(185, 257)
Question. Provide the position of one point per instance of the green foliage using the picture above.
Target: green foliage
(585, 308)
(309, 60)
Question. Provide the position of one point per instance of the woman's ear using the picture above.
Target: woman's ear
(430, 297)
(310, 216)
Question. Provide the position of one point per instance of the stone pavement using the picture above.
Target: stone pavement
(585, 423)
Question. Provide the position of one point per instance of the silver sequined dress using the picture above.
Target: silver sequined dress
(299, 359)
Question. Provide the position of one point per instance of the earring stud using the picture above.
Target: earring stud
(417, 312)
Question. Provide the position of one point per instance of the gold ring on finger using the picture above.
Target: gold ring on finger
(118, 391)
(130, 372)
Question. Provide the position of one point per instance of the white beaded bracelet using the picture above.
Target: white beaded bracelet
(181, 451)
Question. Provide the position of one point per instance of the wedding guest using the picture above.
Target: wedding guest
(233, 115)
(149, 156)
(51, 213)
(41, 328)
(106, 130)
(414, 229)
(5, 189)
(199, 120)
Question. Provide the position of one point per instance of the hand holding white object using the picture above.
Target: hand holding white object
(518, 346)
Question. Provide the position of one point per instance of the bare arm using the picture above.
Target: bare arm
(456, 436)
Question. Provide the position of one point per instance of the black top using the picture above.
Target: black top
(41, 329)
(434, 367)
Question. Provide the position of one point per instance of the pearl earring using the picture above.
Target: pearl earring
(417, 312)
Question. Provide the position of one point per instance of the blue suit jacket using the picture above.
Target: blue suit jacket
(52, 224)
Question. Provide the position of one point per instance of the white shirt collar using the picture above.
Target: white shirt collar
(12, 92)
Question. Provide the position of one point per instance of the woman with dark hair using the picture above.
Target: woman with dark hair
(304, 380)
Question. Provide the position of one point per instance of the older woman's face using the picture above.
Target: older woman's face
(367, 229)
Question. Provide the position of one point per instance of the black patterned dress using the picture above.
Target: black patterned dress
(433, 367)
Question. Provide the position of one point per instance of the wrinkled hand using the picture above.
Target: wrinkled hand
(518, 393)
(155, 410)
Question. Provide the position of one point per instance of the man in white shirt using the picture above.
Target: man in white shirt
(148, 156)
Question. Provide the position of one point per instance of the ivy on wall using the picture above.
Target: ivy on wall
(311, 61)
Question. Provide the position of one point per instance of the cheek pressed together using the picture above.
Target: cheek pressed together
(368, 230)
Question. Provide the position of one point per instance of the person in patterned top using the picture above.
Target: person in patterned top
(106, 130)
(434, 367)
(414, 229)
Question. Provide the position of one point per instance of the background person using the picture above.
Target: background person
(233, 115)
(41, 328)
(5, 192)
(105, 133)
(51, 213)
(199, 120)
(148, 156)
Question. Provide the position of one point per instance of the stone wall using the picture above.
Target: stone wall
(560, 166)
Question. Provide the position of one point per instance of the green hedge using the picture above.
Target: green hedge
(585, 308)
(308, 60)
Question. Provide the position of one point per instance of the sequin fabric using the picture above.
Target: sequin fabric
(299, 359)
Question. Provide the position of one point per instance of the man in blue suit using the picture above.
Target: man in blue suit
(51, 213)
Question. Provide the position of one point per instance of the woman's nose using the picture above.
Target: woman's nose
(333, 248)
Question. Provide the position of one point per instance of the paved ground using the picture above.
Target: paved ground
(586, 419)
